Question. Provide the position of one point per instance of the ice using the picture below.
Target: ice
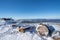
(14, 35)
(49, 38)
(3, 29)
(7, 33)
(36, 37)
(57, 27)
(21, 36)
(2, 22)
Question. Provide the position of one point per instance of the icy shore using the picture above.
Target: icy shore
(12, 34)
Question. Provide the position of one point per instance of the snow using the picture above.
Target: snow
(49, 38)
(7, 33)
(12, 34)
(2, 22)
(3, 29)
(21, 36)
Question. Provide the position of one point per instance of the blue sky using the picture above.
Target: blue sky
(27, 9)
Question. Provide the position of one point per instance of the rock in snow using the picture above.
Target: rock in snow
(7, 33)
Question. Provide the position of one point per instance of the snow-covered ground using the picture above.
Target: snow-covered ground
(12, 34)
